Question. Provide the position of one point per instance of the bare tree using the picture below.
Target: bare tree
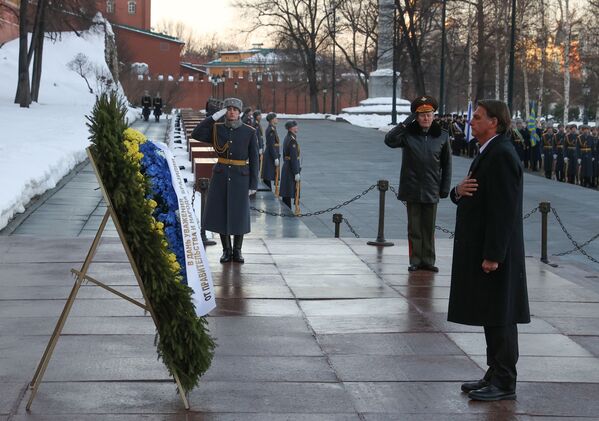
(302, 23)
(23, 95)
(357, 37)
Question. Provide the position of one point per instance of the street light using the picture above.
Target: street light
(235, 86)
(258, 87)
(394, 97)
(223, 79)
(442, 77)
(333, 87)
(324, 100)
(274, 97)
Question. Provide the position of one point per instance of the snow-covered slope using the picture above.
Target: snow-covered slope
(41, 144)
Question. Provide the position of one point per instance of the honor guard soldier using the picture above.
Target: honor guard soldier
(146, 103)
(290, 174)
(548, 140)
(570, 154)
(584, 147)
(157, 106)
(234, 176)
(518, 142)
(246, 117)
(259, 134)
(425, 177)
(270, 166)
(558, 157)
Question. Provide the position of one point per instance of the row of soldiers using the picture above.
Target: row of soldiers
(566, 154)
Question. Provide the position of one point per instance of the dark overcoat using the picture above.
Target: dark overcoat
(584, 149)
(548, 141)
(489, 226)
(426, 162)
(259, 134)
(571, 152)
(271, 152)
(560, 139)
(291, 165)
(227, 203)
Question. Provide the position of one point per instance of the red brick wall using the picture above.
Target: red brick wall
(161, 55)
(289, 99)
(141, 18)
(9, 24)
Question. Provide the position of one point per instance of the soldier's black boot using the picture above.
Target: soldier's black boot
(227, 251)
(237, 243)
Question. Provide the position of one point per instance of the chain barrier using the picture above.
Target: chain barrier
(577, 247)
(320, 212)
(353, 231)
(529, 214)
(581, 246)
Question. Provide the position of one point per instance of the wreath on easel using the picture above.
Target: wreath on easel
(133, 177)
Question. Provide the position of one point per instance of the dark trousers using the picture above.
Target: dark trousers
(421, 232)
(287, 201)
(502, 355)
(268, 183)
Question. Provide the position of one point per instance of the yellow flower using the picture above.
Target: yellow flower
(159, 226)
(134, 136)
(152, 203)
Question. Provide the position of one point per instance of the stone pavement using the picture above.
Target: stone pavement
(310, 328)
(307, 329)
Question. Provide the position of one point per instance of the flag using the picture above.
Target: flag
(532, 126)
(468, 119)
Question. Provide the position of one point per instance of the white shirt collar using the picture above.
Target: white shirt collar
(483, 147)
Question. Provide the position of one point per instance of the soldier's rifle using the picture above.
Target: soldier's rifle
(298, 187)
(277, 173)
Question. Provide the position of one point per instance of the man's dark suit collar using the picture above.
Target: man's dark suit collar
(500, 138)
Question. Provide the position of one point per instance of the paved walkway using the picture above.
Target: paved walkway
(310, 328)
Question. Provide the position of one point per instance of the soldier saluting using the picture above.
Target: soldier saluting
(290, 175)
(234, 176)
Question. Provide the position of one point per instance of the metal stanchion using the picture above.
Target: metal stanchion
(545, 208)
(203, 187)
(337, 219)
(383, 186)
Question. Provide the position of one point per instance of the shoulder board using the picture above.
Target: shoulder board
(247, 125)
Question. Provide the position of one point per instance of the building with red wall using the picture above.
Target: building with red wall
(133, 13)
(9, 24)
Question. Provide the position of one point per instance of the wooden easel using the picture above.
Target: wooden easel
(81, 275)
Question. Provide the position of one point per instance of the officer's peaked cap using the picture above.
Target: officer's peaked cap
(424, 104)
(233, 102)
(270, 116)
(257, 113)
(290, 124)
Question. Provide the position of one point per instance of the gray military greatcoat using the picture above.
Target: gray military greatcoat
(291, 165)
(227, 204)
(271, 152)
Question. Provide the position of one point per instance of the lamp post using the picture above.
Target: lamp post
(442, 76)
(336, 103)
(333, 86)
(274, 97)
(223, 79)
(510, 83)
(394, 60)
(235, 86)
(258, 87)
(324, 100)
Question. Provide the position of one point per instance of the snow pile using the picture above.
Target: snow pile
(40, 145)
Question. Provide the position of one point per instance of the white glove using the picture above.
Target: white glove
(251, 192)
(260, 151)
(565, 159)
(217, 115)
(276, 162)
(554, 156)
(579, 160)
(297, 177)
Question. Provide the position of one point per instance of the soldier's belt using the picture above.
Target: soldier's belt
(585, 149)
(547, 147)
(571, 147)
(238, 162)
(277, 144)
(287, 158)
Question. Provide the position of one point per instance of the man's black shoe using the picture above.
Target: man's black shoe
(491, 393)
(227, 255)
(430, 268)
(470, 386)
(412, 268)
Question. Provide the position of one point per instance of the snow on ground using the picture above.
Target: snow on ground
(372, 121)
(41, 144)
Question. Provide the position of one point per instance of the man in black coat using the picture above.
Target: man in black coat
(290, 173)
(271, 152)
(488, 277)
(425, 177)
(234, 176)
